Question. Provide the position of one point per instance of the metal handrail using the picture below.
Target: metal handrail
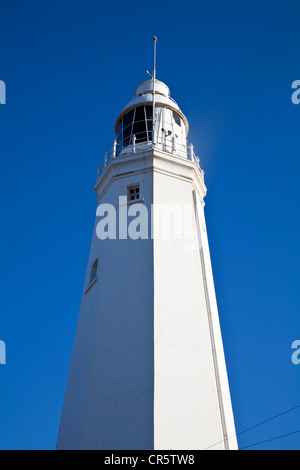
(171, 147)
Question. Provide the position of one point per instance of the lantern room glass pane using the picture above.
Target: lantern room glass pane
(139, 127)
(149, 117)
(120, 137)
(137, 122)
(177, 119)
(127, 127)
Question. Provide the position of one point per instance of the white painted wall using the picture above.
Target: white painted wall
(143, 373)
(109, 396)
(187, 412)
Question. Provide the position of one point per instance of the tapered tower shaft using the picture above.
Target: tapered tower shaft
(148, 367)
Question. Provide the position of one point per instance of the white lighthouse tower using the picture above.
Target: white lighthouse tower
(148, 367)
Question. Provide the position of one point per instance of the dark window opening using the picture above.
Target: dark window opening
(177, 119)
(134, 192)
(94, 271)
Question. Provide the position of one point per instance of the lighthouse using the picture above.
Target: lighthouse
(148, 367)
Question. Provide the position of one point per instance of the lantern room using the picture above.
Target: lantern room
(151, 104)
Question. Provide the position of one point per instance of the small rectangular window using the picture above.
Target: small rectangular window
(133, 192)
(177, 119)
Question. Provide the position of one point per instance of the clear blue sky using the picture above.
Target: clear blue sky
(70, 66)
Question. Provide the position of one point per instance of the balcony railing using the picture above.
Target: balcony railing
(166, 144)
